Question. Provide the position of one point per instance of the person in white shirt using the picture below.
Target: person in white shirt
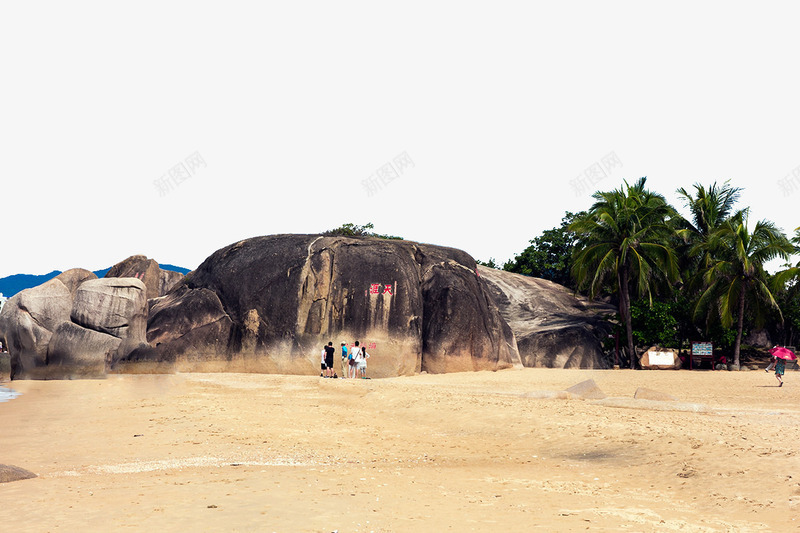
(352, 359)
(362, 362)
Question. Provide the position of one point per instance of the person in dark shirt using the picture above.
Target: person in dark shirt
(329, 351)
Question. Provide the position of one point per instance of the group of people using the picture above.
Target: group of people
(354, 361)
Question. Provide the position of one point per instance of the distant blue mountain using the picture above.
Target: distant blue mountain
(11, 285)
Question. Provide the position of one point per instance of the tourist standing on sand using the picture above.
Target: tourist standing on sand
(351, 359)
(345, 362)
(329, 352)
(780, 367)
(323, 365)
(362, 362)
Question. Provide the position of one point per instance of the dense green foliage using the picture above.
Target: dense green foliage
(674, 279)
(654, 324)
(353, 230)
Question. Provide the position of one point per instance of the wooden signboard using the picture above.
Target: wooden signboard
(702, 351)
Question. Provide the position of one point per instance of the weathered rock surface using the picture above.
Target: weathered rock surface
(158, 281)
(51, 335)
(268, 304)
(116, 306)
(9, 473)
(78, 352)
(188, 325)
(27, 322)
(73, 278)
(553, 327)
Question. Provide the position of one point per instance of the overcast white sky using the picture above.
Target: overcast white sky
(282, 112)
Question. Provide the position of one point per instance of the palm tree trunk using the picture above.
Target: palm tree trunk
(625, 312)
(739, 327)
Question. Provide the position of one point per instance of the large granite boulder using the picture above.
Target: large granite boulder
(78, 352)
(268, 304)
(187, 325)
(73, 278)
(553, 327)
(54, 334)
(27, 322)
(158, 281)
(116, 307)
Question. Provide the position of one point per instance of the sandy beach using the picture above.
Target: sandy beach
(485, 451)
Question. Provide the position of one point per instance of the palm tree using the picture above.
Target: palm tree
(710, 208)
(622, 239)
(735, 276)
(788, 292)
(782, 277)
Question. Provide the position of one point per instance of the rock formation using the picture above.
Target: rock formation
(108, 321)
(27, 322)
(158, 281)
(268, 304)
(553, 327)
(55, 334)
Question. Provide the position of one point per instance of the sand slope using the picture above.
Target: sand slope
(459, 452)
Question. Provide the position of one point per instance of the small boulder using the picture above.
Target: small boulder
(9, 473)
(658, 358)
(650, 394)
(588, 390)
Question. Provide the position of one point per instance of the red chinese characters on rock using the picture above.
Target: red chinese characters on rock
(375, 288)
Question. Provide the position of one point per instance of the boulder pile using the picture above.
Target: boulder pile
(74, 326)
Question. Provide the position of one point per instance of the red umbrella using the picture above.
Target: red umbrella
(783, 353)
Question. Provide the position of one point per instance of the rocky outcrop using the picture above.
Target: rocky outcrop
(53, 333)
(108, 321)
(158, 282)
(553, 327)
(27, 322)
(189, 325)
(268, 304)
